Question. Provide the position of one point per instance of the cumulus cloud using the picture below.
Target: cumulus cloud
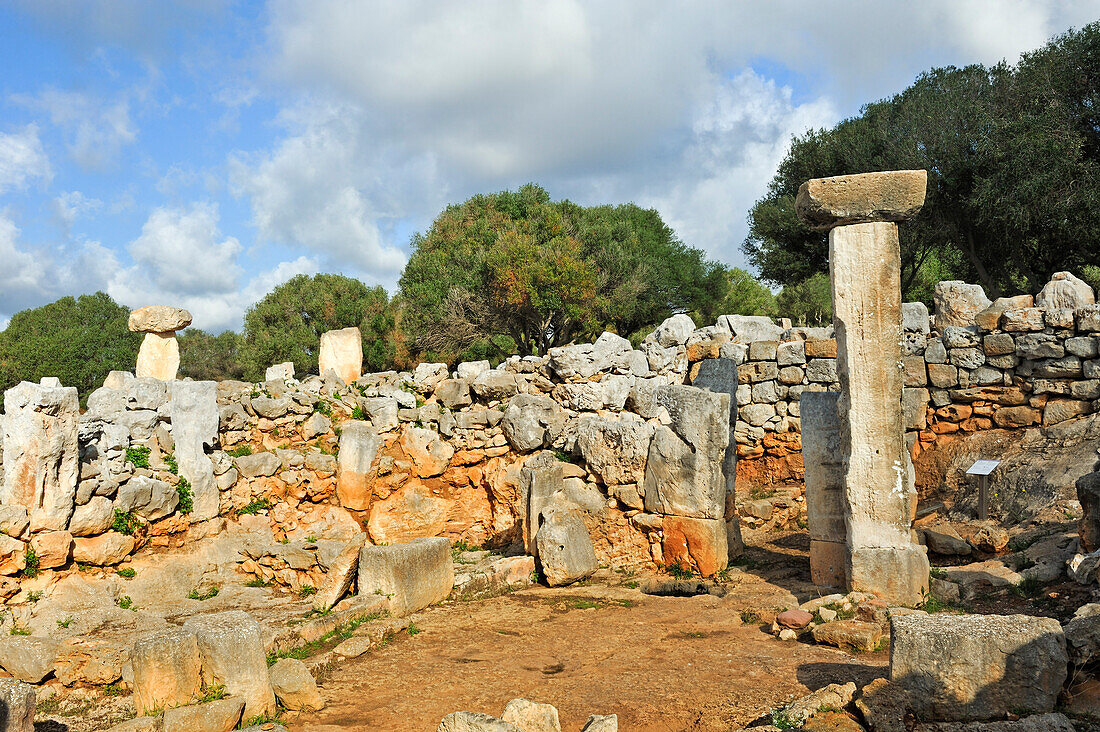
(22, 159)
(97, 129)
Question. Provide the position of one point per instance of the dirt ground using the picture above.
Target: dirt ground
(660, 663)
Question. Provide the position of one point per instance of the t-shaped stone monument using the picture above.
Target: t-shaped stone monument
(860, 212)
(159, 356)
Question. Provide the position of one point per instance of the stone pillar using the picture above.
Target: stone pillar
(342, 352)
(41, 453)
(194, 413)
(159, 355)
(720, 375)
(825, 509)
(865, 271)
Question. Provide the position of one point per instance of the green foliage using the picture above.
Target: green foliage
(306, 591)
(125, 522)
(126, 603)
(808, 303)
(30, 560)
(323, 407)
(126, 572)
(208, 357)
(745, 295)
(138, 456)
(207, 595)
(187, 500)
(239, 451)
(65, 623)
(679, 571)
(173, 465)
(257, 582)
(750, 617)
(17, 630)
(358, 413)
(77, 340)
(334, 637)
(1013, 154)
(412, 629)
(516, 272)
(286, 325)
(212, 693)
(260, 504)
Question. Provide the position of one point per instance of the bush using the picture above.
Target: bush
(187, 501)
(125, 522)
(138, 456)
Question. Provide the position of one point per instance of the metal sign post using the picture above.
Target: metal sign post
(982, 469)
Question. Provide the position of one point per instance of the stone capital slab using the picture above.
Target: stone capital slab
(896, 195)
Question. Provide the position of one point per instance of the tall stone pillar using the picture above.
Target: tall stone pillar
(194, 412)
(41, 452)
(159, 355)
(865, 271)
(825, 507)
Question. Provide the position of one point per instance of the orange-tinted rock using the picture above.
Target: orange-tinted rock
(824, 348)
(695, 543)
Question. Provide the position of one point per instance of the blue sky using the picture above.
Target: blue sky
(199, 153)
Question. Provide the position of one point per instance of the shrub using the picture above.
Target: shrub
(30, 559)
(187, 500)
(138, 456)
(173, 466)
(239, 451)
(125, 522)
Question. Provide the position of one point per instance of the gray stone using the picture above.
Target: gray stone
(474, 722)
(159, 319)
(359, 446)
(232, 654)
(1039, 345)
(28, 658)
(750, 328)
(532, 421)
(495, 385)
(674, 331)
(194, 412)
(821, 370)
(14, 520)
(270, 408)
(414, 574)
(615, 450)
(470, 370)
(1065, 291)
(94, 517)
(584, 360)
(601, 723)
(17, 700)
(896, 195)
(258, 464)
(936, 352)
(565, 550)
(280, 372)
(454, 393)
(150, 498)
(977, 667)
(382, 412)
(220, 715)
(914, 317)
(955, 336)
(317, 425)
(957, 303)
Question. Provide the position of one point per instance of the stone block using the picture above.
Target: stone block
(167, 670)
(413, 575)
(231, 653)
(158, 319)
(1064, 290)
(999, 344)
(17, 700)
(827, 563)
(914, 408)
(1021, 416)
(294, 686)
(28, 658)
(977, 667)
(957, 303)
(532, 421)
(763, 350)
(531, 716)
(1088, 318)
(916, 373)
(220, 715)
(341, 351)
(158, 357)
(935, 351)
(914, 317)
(193, 409)
(280, 372)
(474, 722)
(359, 446)
(791, 353)
(821, 370)
(897, 575)
(966, 358)
(823, 203)
(1022, 320)
(53, 548)
(614, 450)
(755, 371)
(820, 348)
(943, 376)
(565, 551)
(696, 544)
(104, 550)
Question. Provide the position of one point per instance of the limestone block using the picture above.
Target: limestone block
(916, 373)
(1088, 318)
(167, 670)
(1018, 320)
(28, 658)
(340, 575)
(976, 667)
(17, 700)
(193, 409)
(382, 412)
(414, 574)
(14, 521)
(359, 446)
(531, 716)
(565, 550)
(158, 319)
(720, 376)
(897, 195)
(474, 722)
(429, 452)
(427, 376)
(220, 715)
(821, 370)
(914, 317)
(696, 544)
(280, 372)
(470, 370)
(454, 393)
(41, 453)
(1065, 291)
(755, 371)
(532, 421)
(103, 550)
(957, 303)
(158, 357)
(231, 652)
(791, 353)
(93, 518)
(495, 385)
(674, 331)
(1058, 318)
(88, 660)
(295, 686)
(584, 360)
(342, 352)
(148, 497)
(53, 548)
(601, 723)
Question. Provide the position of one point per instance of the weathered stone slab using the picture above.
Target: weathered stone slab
(340, 575)
(531, 716)
(822, 456)
(220, 715)
(615, 450)
(295, 686)
(957, 303)
(158, 319)
(895, 195)
(474, 722)
(413, 575)
(342, 352)
(720, 376)
(28, 658)
(158, 357)
(17, 700)
(41, 451)
(167, 670)
(565, 550)
(696, 544)
(193, 409)
(231, 652)
(359, 445)
(976, 667)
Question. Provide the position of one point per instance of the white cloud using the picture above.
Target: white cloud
(22, 159)
(68, 206)
(97, 129)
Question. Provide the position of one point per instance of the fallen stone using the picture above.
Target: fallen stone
(602, 723)
(158, 319)
(17, 702)
(674, 331)
(844, 634)
(413, 575)
(167, 670)
(565, 550)
(28, 658)
(977, 667)
(232, 654)
(796, 619)
(531, 716)
(823, 203)
(341, 574)
(295, 686)
(474, 722)
(280, 372)
(221, 715)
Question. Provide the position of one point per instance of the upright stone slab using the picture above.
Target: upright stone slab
(166, 670)
(231, 651)
(359, 445)
(194, 412)
(413, 575)
(342, 352)
(158, 357)
(41, 453)
(16, 706)
(823, 459)
(865, 273)
(720, 375)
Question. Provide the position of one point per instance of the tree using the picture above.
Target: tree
(1012, 154)
(809, 303)
(208, 357)
(286, 325)
(515, 271)
(745, 295)
(79, 340)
